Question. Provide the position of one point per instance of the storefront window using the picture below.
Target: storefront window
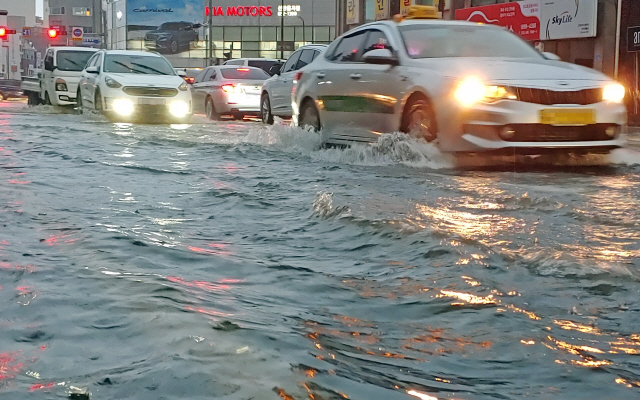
(232, 33)
(269, 54)
(250, 46)
(251, 33)
(289, 32)
(321, 34)
(268, 33)
(268, 46)
(216, 32)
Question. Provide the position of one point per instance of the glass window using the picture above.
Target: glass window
(289, 32)
(92, 61)
(321, 34)
(348, 49)
(250, 46)
(299, 33)
(375, 40)
(73, 60)
(269, 33)
(268, 45)
(81, 11)
(216, 32)
(264, 65)
(250, 53)
(244, 73)
(290, 65)
(232, 33)
(201, 76)
(88, 29)
(56, 11)
(423, 41)
(250, 34)
(305, 58)
(130, 64)
(269, 54)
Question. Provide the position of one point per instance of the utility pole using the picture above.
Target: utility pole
(282, 31)
(210, 22)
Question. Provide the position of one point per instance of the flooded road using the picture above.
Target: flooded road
(236, 261)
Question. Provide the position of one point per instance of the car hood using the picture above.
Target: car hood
(147, 80)
(533, 72)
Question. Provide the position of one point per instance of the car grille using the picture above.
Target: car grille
(150, 92)
(552, 97)
(551, 133)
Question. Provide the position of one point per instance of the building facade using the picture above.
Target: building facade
(225, 28)
(70, 14)
(628, 63)
(21, 8)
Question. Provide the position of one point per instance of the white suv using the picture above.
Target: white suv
(134, 85)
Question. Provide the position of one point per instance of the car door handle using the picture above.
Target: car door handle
(355, 76)
(320, 75)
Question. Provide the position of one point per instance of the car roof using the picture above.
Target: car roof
(131, 53)
(68, 48)
(236, 67)
(434, 22)
(252, 59)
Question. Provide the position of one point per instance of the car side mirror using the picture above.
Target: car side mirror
(181, 74)
(92, 70)
(550, 56)
(380, 57)
(48, 66)
(275, 69)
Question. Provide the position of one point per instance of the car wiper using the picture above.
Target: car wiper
(150, 68)
(73, 62)
(128, 67)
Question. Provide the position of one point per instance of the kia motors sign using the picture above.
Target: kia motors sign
(535, 20)
(240, 11)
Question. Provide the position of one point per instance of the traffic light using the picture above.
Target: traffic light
(5, 31)
(53, 33)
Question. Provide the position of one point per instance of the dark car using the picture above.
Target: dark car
(172, 37)
(9, 88)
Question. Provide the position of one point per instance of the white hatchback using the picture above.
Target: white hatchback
(132, 86)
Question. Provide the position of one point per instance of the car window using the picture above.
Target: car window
(137, 64)
(305, 58)
(234, 62)
(264, 65)
(464, 41)
(375, 40)
(214, 75)
(207, 74)
(201, 76)
(69, 60)
(244, 73)
(348, 50)
(170, 26)
(290, 65)
(315, 54)
(91, 62)
(98, 61)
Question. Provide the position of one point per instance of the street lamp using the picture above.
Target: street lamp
(282, 31)
(304, 39)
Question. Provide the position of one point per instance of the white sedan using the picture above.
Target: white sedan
(130, 86)
(467, 87)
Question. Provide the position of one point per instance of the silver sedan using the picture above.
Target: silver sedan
(228, 90)
(467, 87)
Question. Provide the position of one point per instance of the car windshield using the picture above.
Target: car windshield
(170, 26)
(130, 64)
(244, 73)
(73, 60)
(423, 41)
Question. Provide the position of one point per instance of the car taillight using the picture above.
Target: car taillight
(229, 88)
(190, 80)
(297, 76)
(243, 70)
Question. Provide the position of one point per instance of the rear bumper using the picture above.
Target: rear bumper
(530, 148)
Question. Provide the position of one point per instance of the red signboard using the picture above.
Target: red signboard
(519, 17)
(240, 11)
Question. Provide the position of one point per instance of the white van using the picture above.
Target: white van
(61, 74)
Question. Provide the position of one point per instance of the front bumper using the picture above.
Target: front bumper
(66, 98)
(479, 128)
(147, 109)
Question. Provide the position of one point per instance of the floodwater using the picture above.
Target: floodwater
(236, 261)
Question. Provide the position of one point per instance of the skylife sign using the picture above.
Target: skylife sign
(240, 11)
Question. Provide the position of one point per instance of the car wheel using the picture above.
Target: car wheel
(79, 100)
(97, 102)
(47, 100)
(418, 120)
(309, 116)
(265, 110)
(174, 46)
(210, 110)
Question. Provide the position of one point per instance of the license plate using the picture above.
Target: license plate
(153, 102)
(567, 116)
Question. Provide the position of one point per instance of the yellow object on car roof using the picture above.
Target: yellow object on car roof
(423, 12)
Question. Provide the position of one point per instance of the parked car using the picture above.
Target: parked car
(10, 88)
(171, 37)
(228, 90)
(189, 74)
(276, 91)
(265, 64)
(466, 87)
(133, 86)
(61, 74)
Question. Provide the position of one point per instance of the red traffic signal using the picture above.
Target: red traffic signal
(4, 32)
(53, 33)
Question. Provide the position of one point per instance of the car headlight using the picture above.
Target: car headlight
(61, 85)
(112, 83)
(179, 109)
(183, 86)
(472, 90)
(613, 93)
(123, 107)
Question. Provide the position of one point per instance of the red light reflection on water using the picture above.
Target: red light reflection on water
(208, 311)
(204, 285)
(218, 249)
(17, 182)
(54, 240)
(40, 386)
(10, 365)
(8, 266)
